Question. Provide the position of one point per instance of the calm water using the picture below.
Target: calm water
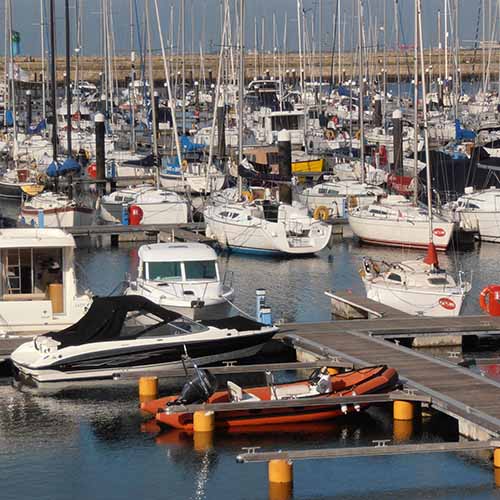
(94, 443)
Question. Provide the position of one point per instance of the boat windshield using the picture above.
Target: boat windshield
(201, 270)
(163, 271)
(180, 326)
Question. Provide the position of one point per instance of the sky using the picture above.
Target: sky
(204, 15)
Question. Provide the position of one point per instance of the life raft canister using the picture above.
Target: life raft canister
(489, 300)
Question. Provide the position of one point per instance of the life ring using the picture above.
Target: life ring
(321, 213)
(184, 165)
(329, 134)
(41, 178)
(247, 195)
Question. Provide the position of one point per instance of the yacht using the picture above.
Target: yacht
(183, 277)
(266, 227)
(113, 339)
(158, 205)
(395, 221)
(481, 210)
(37, 285)
(55, 210)
(417, 287)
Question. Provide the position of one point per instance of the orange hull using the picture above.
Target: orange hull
(364, 381)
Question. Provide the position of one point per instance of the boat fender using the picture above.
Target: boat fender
(184, 165)
(329, 134)
(321, 213)
(247, 195)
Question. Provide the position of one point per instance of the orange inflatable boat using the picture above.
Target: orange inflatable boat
(322, 383)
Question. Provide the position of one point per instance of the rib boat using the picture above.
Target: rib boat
(113, 338)
(323, 383)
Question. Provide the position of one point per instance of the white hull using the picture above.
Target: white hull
(264, 237)
(400, 232)
(192, 183)
(41, 376)
(488, 224)
(154, 213)
(60, 218)
(414, 302)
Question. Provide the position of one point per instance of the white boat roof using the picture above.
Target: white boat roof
(176, 252)
(35, 238)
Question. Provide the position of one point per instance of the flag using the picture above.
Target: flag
(16, 43)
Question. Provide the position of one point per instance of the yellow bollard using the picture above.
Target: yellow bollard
(402, 430)
(403, 410)
(280, 491)
(203, 421)
(280, 471)
(496, 458)
(148, 387)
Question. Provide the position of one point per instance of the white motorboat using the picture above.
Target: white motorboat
(417, 287)
(182, 277)
(112, 339)
(266, 227)
(158, 205)
(481, 210)
(50, 209)
(37, 284)
(395, 221)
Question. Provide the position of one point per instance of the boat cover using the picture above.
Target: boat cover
(104, 320)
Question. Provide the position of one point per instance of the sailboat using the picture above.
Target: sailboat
(419, 286)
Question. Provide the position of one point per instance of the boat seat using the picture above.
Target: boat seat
(291, 391)
(236, 393)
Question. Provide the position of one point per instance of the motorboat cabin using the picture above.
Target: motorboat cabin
(183, 277)
(38, 286)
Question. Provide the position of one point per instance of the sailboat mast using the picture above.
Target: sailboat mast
(152, 96)
(361, 92)
(53, 79)
(241, 92)
(183, 65)
(415, 107)
(42, 48)
(68, 78)
(426, 133)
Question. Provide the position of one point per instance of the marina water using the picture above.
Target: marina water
(94, 442)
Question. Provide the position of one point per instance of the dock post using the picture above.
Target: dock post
(28, 110)
(402, 430)
(100, 154)
(280, 474)
(148, 388)
(403, 410)
(377, 111)
(397, 124)
(203, 421)
(285, 166)
(260, 295)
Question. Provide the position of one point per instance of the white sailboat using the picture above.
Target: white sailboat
(417, 286)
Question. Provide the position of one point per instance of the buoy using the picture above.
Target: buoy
(92, 170)
(489, 300)
(280, 471)
(403, 410)
(135, 215)
(280, 491)
(321, 213)
(203, 421)
(148, 387)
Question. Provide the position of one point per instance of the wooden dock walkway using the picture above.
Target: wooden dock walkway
(453, 389)
(117, 229)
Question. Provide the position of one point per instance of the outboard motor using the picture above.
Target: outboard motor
(198, 389)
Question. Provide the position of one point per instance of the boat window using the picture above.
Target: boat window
(288, 122)
(394, 277)
(437, 281)
(374, 211)
(472, 205)
(203, 270)
(162, 271)
(29, 272)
